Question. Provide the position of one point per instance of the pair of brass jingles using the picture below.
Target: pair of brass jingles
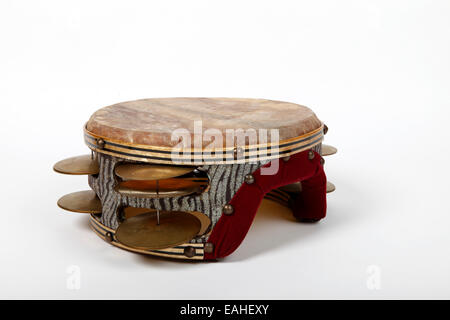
(144, 201)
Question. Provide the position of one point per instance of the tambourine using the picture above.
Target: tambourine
(184, 177)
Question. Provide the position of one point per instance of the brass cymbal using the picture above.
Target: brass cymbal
(328, 150)
(330, 187)
(153, 194)
(143, 232)
(175, 187)
(166, 184)
(81, 201)
(133, 171)
(77, 165)
(204, 220)
(130, 212)
(293, 187)
(297, 187)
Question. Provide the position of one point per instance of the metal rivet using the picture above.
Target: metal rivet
(189, 252)
(325, 129)
(311, 155)
(322, 161)
(208, 248)
(228, 209)
(249, 179)
(286, 159)
(109, 237)
(101, 143)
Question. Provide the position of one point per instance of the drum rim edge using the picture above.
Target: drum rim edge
(146, 153)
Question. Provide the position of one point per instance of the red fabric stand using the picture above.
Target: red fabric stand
(310, 204)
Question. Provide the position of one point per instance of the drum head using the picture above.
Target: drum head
(166, 130)
(152, 121)
(143, 232)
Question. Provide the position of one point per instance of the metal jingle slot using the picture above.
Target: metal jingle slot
(130, 212)
(157, 181)
(149, 172)
(147, 231)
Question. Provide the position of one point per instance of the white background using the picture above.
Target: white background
(377, 72)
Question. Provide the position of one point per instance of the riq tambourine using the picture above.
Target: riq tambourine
(160, 185)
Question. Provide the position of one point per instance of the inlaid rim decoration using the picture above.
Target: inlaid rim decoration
(164, 155)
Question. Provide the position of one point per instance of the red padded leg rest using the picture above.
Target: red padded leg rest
(310, 205)
(230, 230)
